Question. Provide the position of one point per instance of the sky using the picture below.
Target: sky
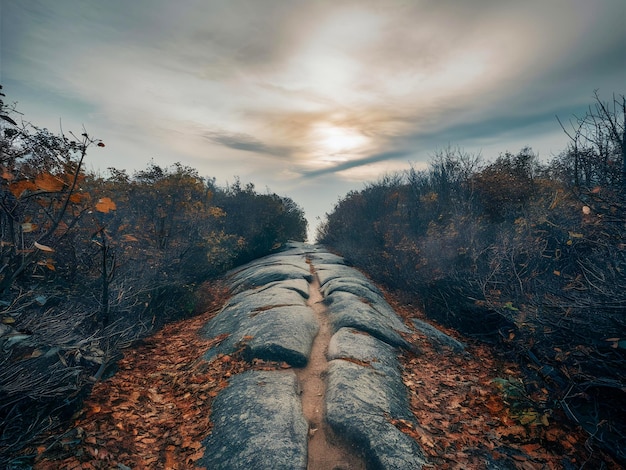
(309, 98)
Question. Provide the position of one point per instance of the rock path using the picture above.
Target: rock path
(334, 409)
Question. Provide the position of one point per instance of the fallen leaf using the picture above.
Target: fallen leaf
(44, 247)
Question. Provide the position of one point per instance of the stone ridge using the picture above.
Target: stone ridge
(258, 420)
(258, 424)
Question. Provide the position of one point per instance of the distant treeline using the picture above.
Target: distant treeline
(527, 254)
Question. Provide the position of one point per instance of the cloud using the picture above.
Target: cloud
(247, 143)
(243, 87)
(380, 157)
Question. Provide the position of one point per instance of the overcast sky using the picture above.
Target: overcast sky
(309, 98)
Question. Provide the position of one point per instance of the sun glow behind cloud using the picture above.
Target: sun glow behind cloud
(332, 143)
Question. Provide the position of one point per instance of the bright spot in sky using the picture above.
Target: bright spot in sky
(337, 144)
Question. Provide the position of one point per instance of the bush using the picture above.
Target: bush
(510, 253)
(91, 263)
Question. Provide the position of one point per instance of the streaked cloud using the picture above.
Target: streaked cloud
(245, 142)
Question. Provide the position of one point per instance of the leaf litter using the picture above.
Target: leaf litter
(471, 408)
(154, 412)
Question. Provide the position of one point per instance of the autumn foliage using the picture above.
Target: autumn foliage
(92, 262)
(526, 255)
(155, 412)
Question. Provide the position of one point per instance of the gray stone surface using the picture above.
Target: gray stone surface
(261, 275)
(301, 286)
(326, 272)
(258, 418)
(360, 400)
(288, 256)
(347, 310)
(263, 298)
(353, 344)
(278, 334)
(258, 424)
(356, 286)
(436, 337)
(324, 257)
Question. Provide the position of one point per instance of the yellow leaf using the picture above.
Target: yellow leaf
(217, 212)
(569, 242)
(44, 247)
(528, 417)
(557, 273)
(8, 320)
(575, 235)
(28, 227)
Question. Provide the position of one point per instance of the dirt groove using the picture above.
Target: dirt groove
(326, 451)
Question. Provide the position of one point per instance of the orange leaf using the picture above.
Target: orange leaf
(494, 405)
(519, 431)
(170, 462)
(76, 198)
(105, 205)
(48, 182)
(530, 448)
(196, 456)
(18, 188)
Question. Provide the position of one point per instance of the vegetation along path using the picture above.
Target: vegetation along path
(307, 366)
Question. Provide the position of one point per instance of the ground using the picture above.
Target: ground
(154, 413)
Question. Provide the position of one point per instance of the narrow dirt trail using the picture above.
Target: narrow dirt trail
(326, 452)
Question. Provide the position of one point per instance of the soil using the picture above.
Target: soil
(326, 451)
